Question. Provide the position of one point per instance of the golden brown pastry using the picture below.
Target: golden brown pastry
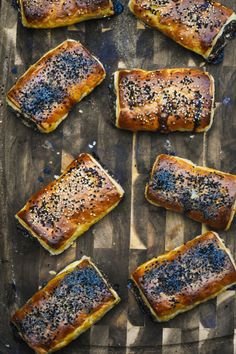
(203, 194)
(164, 100)
(48, 90)
(184, 277)
(67, 306)
(70, 205)
(57, 13)
(202, 26)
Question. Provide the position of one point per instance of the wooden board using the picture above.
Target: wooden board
(135, 230)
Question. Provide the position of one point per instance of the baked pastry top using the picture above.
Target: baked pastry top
(202, 26)
(51, 87)
(67, 306)
(184, 277)
(57, 13)
(203, 194)
(70, 205)
(165, 100)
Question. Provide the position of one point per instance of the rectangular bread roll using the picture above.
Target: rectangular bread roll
(203, 26)
(66, 307)
(54, 13)
(70, 205)
(203, 194)
(184, 277)
(44, 95)
(164, 100)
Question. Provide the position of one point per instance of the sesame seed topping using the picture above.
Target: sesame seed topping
(192, 190)
(47, 90)
(82, 193)
(200, 16)
(37, 11)
(185, 274)
(64, 305)
(173, 99)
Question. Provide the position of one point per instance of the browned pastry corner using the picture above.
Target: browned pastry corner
(44, 95)
(70, 205)
(184, 277)
(165, 100)
(202, 26)
(203, 194)
(67, 306)
(57, 13)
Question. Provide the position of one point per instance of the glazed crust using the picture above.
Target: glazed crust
(203, 194)
(184, 277)
(48, 90)
(50, 14)
(196, 25)
(165, 100)
(70, 205)
(67, 306)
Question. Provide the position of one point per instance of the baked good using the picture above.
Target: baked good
(164, 100)
(203, 26)
(67, 306)
(184, 277)
(54, 13)
(51, 87)
(203, 194)
(71, 204)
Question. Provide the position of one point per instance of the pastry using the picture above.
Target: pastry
(54, 13)
(203, 194)
(51, 87)
(71, 204)
(67, 306)
(202, 26)
(184, 277)
(164, 100)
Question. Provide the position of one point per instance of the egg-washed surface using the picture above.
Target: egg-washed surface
(73, 297)
(50, 88)
(55, 13)
(203, 194)
(195, 24)
(164, 100)
(68, 206)
(186, 276)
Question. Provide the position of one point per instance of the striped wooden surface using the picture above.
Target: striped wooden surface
(135, 230)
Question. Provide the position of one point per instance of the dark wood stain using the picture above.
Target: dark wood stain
(135, 230)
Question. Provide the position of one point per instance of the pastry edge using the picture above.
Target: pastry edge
(230, 19)
(116, 87)
(27, 121)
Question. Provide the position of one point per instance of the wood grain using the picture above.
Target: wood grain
(135, 230)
